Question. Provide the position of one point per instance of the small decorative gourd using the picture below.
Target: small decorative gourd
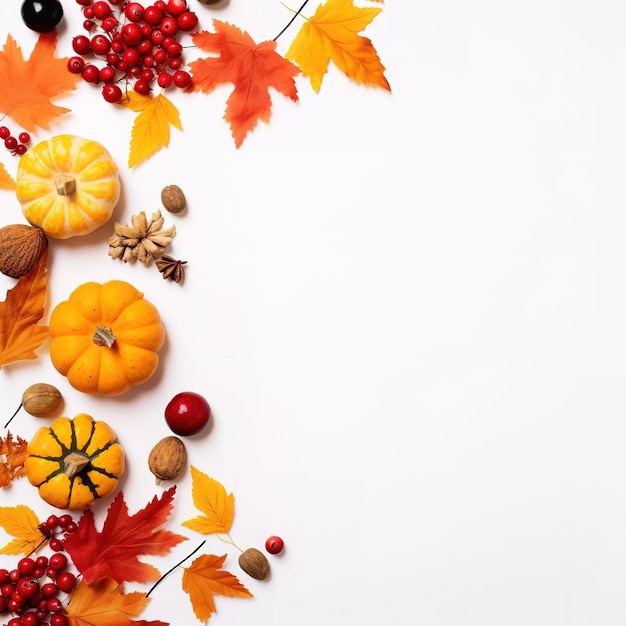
(67, 185)
(73, 462)
(106, 337)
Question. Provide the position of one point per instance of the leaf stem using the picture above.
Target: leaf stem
(169, 571)
(230, 541)
(14, 414)
(292, 19)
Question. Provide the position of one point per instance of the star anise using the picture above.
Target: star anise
(171, 268)
(143, 240)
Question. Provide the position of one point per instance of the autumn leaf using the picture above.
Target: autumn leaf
(210, 498)
(28, 86)
(21, 523)
(104, 603)
(204, 578)
(252, 69)
(20, 333)
(151, 129)
(332, 34)
(12, 457)
(6, 182)
(113, 552)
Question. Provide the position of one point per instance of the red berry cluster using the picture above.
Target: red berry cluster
(137, 44)
(16, 145)
(31, 592)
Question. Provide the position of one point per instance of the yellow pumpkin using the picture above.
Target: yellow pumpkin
(106, 337)
(67, 185)
(73, 462)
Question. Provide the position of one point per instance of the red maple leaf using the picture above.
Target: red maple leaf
(252, 68)
(113, 552)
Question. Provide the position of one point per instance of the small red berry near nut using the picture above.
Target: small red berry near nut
(274, 545)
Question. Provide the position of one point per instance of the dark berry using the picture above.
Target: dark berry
(10, 143)
(42, 16)
(4, 132)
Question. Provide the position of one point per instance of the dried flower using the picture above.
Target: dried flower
(171, 268)
(143, 240)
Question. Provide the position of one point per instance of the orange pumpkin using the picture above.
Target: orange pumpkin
(106, 337)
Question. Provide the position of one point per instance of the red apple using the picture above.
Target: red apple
(187, 413)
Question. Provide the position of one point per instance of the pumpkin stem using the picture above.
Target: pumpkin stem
(65, 184)
(104, 336)
(74, 463)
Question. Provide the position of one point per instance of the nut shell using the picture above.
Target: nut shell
(173, 199)
(254, 563)
(21, 246)
(167, 459)
(41, 399)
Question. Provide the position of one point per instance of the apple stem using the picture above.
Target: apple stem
(12, 416)
(169, 571)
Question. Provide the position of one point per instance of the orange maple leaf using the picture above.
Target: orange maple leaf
(104, 603)
(12, 457)
(21, 522)
(20, 333)
(113, 551)
(252, 68)
(210, 498)
(6, 181)
(28, 86)
(204, 578)
(332, 34)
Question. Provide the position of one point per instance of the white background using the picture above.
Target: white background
(406, 311)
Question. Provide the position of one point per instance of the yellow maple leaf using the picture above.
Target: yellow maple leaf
(29, 85)
(6, 181)
(204, 578)
(151, 129)
(210, 498)
(21, 523)
(20, 332)
(332, 34)
(104, 603)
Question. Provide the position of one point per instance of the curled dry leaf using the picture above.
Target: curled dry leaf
(12, 457)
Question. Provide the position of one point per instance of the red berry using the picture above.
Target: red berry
(160, 4)
(3, 604)
(49, 590)
(160, 56)
(38, 572)
(142, 87)
(10, 143)
(55, 605)
(28, 588)
(14, 574)
(24, 137)
(41, 561)
(164, 80)
(157, 37)
(274, 545)
(169, 25)
(174, 49)
(30, 619)
(117, 45)
(176, 7)
(75, 64)
(6, 590)
(58, 619)
(89, 12)
(106, 74)
(181, 79)
(101, 9)
(148, 61)
(90, 74)
(15, 621)
(4, 576)
(187, 21)
(14, 605)
(84, 3)
(131, 34)
(66, 581)
(26, 566)
(109, 23)
(72, 527)
(112, 93)
(153, 15)
(81, 44)
(64, 520)
(147, 75)
(100, 45)
(174, 63)
(4, 132)
(134, 12)
(187, 413)
(57, 561)
(145, 46)
(131, 56)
